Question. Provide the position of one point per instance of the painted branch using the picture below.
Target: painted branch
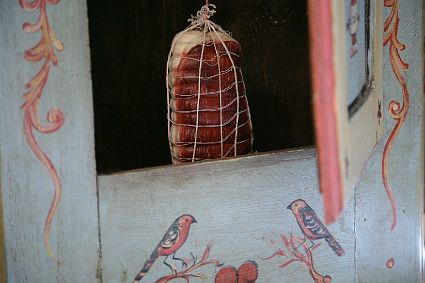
(188, 273)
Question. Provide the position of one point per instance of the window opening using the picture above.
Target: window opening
(130, 41)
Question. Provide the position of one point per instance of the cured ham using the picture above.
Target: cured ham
(208, 111)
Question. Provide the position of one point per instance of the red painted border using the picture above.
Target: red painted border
(325, 105)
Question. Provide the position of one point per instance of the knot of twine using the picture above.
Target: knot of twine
(203, 15)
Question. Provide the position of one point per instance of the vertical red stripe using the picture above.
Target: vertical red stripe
(325, 106)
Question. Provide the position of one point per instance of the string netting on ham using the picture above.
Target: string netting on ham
(208, 111)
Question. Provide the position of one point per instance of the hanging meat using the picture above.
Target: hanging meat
(208, 112)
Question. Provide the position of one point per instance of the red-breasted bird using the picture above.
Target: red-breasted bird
(173, 239)
(311, 226)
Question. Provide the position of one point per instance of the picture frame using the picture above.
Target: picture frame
(346, 62)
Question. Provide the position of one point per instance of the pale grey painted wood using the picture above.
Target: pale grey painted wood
(27, 189)
(240, 205)
(137, 207)
(375, 244)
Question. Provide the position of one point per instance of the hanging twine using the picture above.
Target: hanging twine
(203, 15)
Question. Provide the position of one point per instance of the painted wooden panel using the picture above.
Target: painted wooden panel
(241, 208)
(389, 232)
(346, 132)
(3, 263)
(356, 37)
(240, 205)
(41, 155)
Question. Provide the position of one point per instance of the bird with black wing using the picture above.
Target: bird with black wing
(311, 226)
(172, 240)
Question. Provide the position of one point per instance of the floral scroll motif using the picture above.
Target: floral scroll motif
(43, 51)
(398, 111)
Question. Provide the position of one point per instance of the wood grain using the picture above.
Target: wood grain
(344, 143)
(3, 259)
(26, 187)
(376, 243)
(240, 205)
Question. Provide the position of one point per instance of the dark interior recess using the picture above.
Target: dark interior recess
(130, 41)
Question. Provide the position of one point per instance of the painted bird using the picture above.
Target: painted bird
(173, 239)
(311, 226)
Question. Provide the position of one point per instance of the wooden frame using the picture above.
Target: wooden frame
(3, 268)
(344, 138)
(106, 228)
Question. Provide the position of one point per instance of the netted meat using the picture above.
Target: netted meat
(208, 112)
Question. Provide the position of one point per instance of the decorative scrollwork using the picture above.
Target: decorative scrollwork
(398, 111)
(44, 51)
